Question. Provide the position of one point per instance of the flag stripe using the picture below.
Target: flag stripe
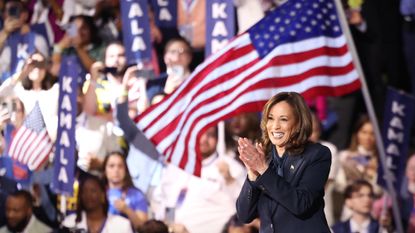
(24, 145)
(31, 144)
(42, 141)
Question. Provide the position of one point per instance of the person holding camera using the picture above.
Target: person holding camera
(34, 84)
(177, 57)
(103, 86)
(16, 30)
(81, 38)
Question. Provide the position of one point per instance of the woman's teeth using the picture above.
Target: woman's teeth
(278, 135)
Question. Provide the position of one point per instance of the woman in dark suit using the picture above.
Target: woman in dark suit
(286, 172)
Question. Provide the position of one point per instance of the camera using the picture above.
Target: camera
(14, 11)
(39, 64)
(145, 73)
(111, 70)
(72, 30)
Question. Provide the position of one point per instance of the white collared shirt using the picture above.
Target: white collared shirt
(361, 228)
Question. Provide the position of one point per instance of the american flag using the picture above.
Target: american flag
(298, 46)
(32, 145)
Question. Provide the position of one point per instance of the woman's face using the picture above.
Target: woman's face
(280, 124)
(366, 136)
(115, 169)
(38, 73)
(83, 36)
(239, 125)
(92, 196)
(177, 54)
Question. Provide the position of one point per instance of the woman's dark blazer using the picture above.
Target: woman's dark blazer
(294, 202)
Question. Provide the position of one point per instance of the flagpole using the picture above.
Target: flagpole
(372, 115)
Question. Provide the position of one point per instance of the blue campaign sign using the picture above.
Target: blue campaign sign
(396, 132)
(64, 162)
(165, 13)
(136, 30)
(220, 24)
(21, 46)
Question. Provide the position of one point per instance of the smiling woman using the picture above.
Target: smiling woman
(286, 172)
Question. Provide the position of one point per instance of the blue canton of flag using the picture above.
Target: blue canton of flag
(295, 21)
(34, 121)
(32, 145)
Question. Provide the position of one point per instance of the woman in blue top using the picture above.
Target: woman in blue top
(124, 198)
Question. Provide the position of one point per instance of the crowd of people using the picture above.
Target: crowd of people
(286, 169)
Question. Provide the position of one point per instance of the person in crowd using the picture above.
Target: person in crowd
(82, 39)
(8, 186)
(157, 226)
(12, 115)
(359, 161)
(154, 226)
(191, 18)
(105, 83)
(92, 210)
(286, 173)
(16, 28)
(108, 19)
(328, 199)
(47, 14)
(408, 196)
(124, 198)
(19, 214)
(177, 57)
(101, 91)
(34, 84)
(200, 204)
(242, 125)
(359, 198)
(203, 204)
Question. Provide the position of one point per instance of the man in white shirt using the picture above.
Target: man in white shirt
(203, 204)
(359, 198)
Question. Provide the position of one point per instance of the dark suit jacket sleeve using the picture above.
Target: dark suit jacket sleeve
(246, 204)
(132, 134)
(310, 189)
